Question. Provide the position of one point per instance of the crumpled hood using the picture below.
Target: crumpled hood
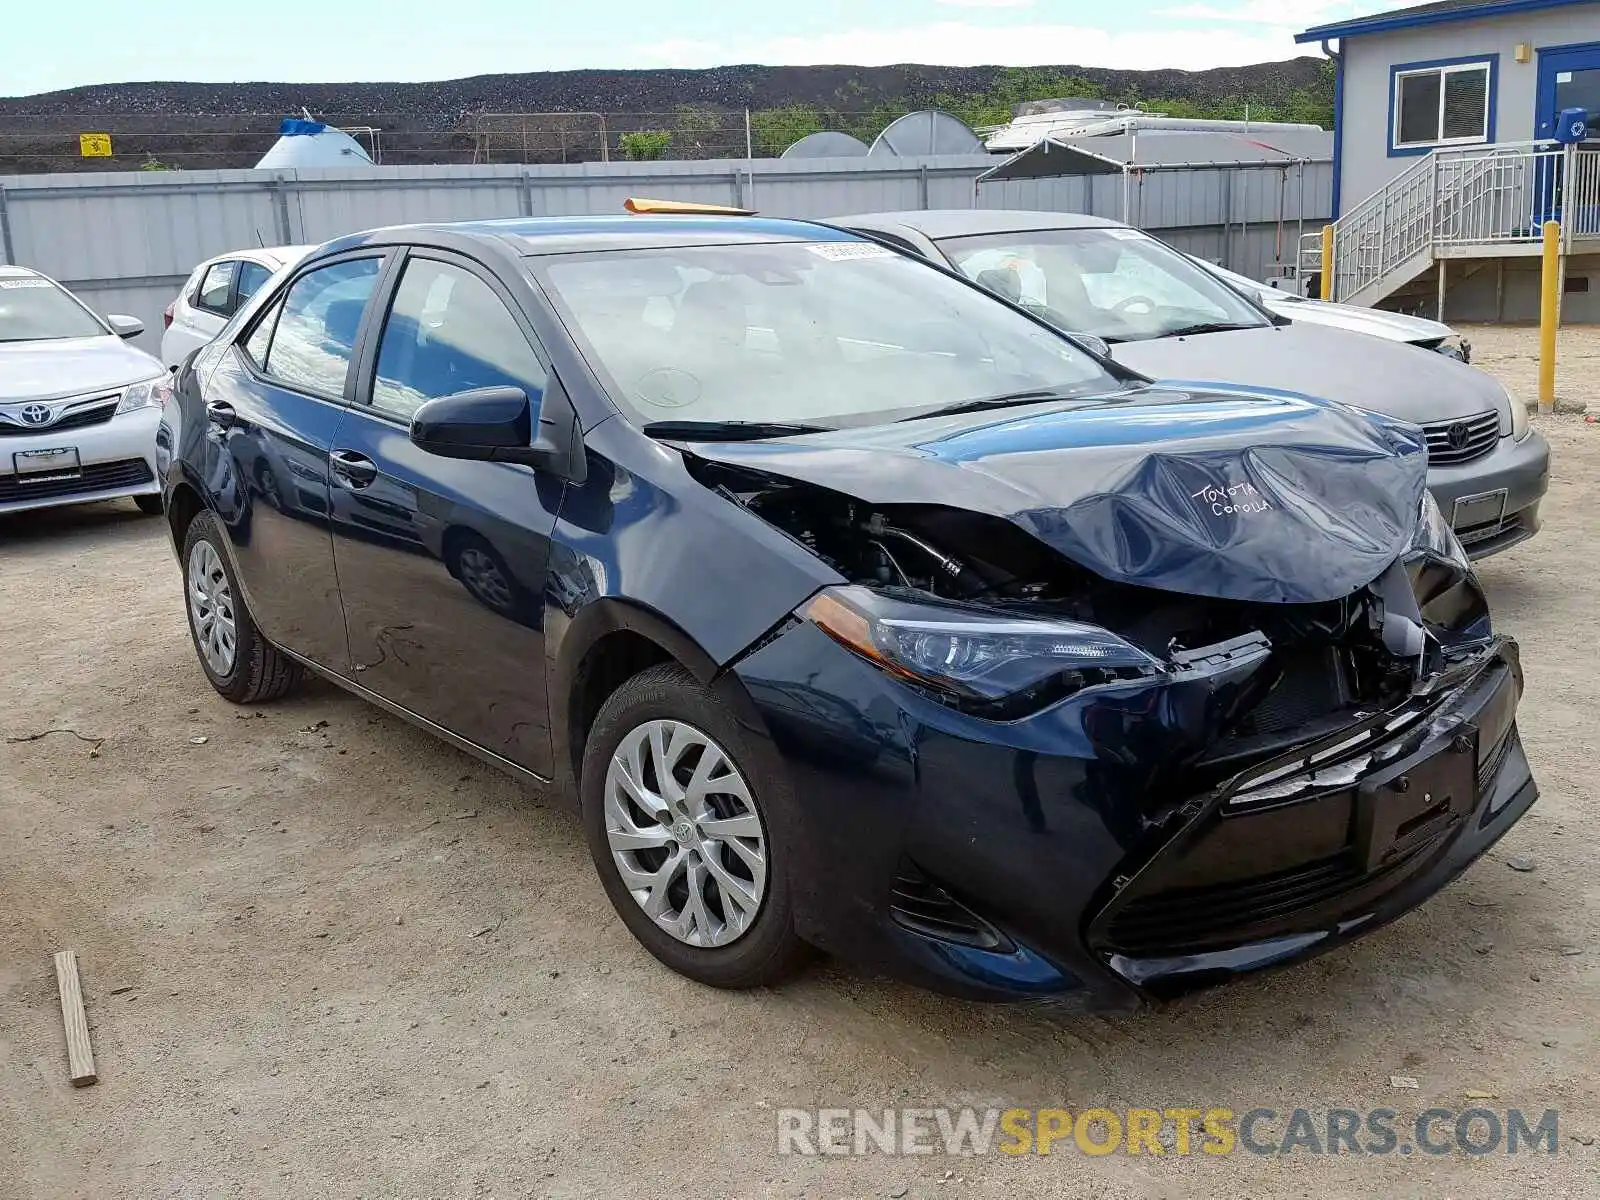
(1235, 495)
(49, 370)
(1372, 373)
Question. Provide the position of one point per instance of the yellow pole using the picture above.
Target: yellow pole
(1327, 262)
(1549, 315)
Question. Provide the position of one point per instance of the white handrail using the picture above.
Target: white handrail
(1483, 196)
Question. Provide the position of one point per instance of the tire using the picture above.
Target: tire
(256, 670)
(150, 506)
(758, 945)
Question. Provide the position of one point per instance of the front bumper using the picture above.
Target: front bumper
(1493, 502)
(116, 458)
(1052, 859)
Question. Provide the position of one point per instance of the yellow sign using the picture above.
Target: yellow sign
(94, 145)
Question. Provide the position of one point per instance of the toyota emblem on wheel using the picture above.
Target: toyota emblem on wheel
(35, 414)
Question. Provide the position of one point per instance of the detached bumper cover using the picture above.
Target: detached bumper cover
(1246, 884)
(1054, 859)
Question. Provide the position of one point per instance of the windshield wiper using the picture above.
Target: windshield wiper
(1032, 396)
(727, 431)
(1212, 327)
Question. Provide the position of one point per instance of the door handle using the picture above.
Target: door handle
(221, 414)
(351, 469)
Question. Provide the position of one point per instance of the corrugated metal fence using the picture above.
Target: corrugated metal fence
(127, 241)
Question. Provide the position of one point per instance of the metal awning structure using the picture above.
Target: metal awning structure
(1162, 150)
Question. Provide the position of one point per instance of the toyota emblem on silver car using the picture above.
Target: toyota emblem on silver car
(35, 414)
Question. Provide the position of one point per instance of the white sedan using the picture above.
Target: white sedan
(78, 406)
(1392, 326)
(214, 291)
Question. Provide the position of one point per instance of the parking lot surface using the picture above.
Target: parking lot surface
(327, 956)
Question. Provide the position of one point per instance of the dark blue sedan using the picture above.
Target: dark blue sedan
(857, 608)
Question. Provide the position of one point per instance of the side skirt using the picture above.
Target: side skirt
(438, 731)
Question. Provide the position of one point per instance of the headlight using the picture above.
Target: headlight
(970, 654)
(152, 393)
(1435, 535)
(1519, 415)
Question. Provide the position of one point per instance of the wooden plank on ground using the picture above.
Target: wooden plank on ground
(80, 1054)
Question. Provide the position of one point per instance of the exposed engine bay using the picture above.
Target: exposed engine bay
(1306, 669)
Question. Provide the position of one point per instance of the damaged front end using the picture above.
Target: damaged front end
(1282, 732)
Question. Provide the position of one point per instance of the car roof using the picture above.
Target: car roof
(940, 223)
(277, 256)
(10, 272)
(570, 235)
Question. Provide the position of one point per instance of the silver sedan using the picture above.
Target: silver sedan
(1153, 309)
(79, 407)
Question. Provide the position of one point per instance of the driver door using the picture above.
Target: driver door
(442, 562)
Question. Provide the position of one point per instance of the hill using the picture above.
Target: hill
(203, 125)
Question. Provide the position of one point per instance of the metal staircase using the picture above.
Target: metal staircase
(1463, 204)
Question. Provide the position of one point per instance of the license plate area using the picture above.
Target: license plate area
(41, 466)
(1486, 508)
(1411, 804)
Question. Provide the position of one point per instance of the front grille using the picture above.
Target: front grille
(100, 477)
(1451, 443)
(81, 418)
(1192, 919)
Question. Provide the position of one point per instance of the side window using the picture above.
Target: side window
(251, 277)
(316, 330)
(216, 287)
(449, 332)
(255, 346)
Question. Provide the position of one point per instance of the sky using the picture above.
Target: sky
(71, 42)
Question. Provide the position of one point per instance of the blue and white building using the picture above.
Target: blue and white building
(1451, 152)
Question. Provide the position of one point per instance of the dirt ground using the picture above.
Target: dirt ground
(327, 956)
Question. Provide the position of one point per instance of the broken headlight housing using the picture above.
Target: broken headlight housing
(970, 655)
(1436, 537)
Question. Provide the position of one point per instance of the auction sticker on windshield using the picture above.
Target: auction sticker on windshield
(844, 251)
(9, 285)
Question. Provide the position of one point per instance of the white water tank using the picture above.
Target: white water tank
(304, 143)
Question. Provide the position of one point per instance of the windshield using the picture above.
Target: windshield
(1116, 283)
(813, 333)
(35, 309)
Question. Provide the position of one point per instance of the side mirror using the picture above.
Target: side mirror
(496, 424)
(125, 326)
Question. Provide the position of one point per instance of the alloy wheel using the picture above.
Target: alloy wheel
(211, 608)
(685, 833)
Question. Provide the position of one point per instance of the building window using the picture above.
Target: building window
(1442, 104)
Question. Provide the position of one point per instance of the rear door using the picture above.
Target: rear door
(206, 309)
(442, 562)
(273, 406)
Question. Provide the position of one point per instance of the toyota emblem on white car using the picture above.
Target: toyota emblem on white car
(35, 414)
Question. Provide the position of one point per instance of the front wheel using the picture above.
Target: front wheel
(680, 831)
(242, 665)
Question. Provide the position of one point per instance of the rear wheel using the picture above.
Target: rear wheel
(238, 661)
(149, 505)
(679, 830)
